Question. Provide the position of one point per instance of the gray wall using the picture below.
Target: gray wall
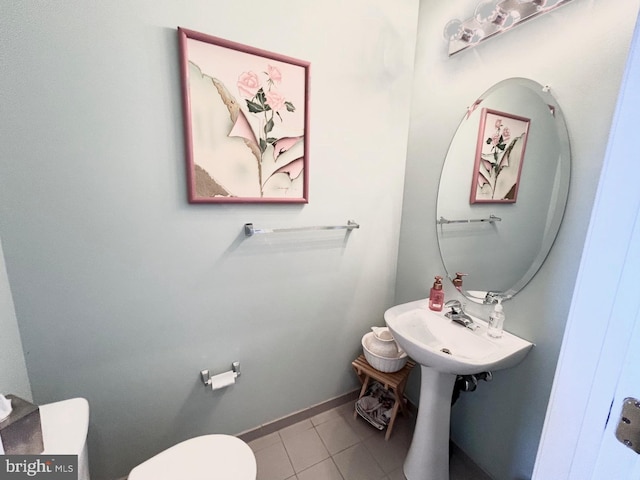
(13, 370)
(580, 52)
(123, 291)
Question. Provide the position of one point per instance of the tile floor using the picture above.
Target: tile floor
(336, 446)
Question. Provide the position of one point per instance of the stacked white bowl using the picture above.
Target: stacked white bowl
(381, 350)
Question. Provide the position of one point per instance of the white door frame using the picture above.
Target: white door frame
(597, 334)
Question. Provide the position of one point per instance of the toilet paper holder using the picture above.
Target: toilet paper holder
(206, 375)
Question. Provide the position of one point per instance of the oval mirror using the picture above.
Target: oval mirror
(503, 189)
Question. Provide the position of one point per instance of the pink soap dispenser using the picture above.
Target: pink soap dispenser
(436, 296)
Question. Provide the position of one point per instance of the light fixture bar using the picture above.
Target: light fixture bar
(492, 18)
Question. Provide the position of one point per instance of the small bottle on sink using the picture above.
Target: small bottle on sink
(496, 321)
(436, 295)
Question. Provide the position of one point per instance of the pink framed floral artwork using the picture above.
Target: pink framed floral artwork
(246, 122)
(502, 139)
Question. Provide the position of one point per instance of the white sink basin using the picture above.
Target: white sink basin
(425, 335)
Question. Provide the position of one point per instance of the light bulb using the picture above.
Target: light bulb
(453, 30)
(485, 11)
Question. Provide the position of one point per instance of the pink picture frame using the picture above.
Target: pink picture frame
(246, 122)
(502, 140)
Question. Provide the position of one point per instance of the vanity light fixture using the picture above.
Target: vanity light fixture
(493, 17)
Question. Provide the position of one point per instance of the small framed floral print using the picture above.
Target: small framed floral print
(502, 139)
(246, 122)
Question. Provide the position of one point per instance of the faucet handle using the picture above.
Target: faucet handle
(493, 297)
(453, 305)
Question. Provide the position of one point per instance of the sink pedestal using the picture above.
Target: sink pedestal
(428, 457)
(444, 350)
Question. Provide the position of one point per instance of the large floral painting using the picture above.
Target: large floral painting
(246, 122)
(502, 139)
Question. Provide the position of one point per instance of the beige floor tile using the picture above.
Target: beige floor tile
(273, 463)
(326, 416)
(461, 468)
(264, 442)
(325, 470)
(296, 428)
(389, 454)
(346, 409)
(337, 435)
(403, 429)
(398, 474)
(356, 463)
(335, 446)
(305, 448)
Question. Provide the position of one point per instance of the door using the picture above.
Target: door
(599, 363)
(614, 460)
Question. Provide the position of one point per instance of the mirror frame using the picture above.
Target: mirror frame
(561, 189)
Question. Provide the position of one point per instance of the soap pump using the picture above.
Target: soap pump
(436, 295)
(496, 321)
(457, 282)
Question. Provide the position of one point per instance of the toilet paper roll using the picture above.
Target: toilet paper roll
(223, 380)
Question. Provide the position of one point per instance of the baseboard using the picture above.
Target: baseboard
(298, 416)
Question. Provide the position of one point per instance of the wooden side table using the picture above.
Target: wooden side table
(392, 382)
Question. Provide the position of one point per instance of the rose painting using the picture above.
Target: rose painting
(502, 139)
(246, 122)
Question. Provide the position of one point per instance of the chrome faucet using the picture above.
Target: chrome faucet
(458, 315)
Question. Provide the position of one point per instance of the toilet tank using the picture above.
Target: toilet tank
(64, 431)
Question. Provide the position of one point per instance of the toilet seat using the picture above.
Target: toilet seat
(209, 457)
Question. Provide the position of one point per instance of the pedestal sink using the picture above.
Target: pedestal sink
(444, 349)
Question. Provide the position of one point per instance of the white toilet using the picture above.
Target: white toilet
(201, 458)
(64, 431)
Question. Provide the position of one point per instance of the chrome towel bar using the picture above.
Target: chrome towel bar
(492, 218)
(250, 230)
